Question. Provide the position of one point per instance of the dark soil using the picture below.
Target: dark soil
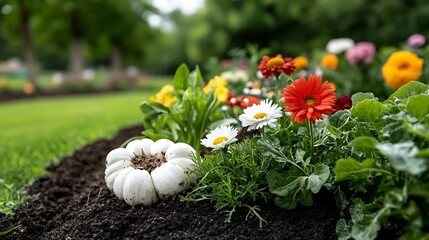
(74, 203)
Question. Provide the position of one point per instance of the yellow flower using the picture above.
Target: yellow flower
(402, 67)
(219, 84)
(330, 61)
(3, 83)
(333, 86)
(164, 96)
(300, 62)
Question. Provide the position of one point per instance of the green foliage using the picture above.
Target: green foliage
(394, 148)
(190, 117)
(233, 178)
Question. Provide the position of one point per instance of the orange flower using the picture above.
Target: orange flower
(309, 99)
(300, 62)
(29, 88)
(270, 65)
(330, 61)
(401, 68)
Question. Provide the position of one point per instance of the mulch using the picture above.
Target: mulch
(72, 202)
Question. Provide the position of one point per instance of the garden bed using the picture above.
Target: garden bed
(73, 202)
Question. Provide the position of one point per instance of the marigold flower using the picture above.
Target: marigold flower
(330, 61)
(309, 99)
(270, 65)
(402, 67)
(300, 62)
(164, 96)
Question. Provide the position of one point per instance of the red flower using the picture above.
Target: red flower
(233, 100)
(249, 101)
(278, 64)
(309, 99)
(343, 103)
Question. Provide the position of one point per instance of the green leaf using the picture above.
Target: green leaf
(423, 153)
(402, 156)
(196, 78)
(418, 106)
(365, 222)
(181, 78)
(343, 229)
(272, 149)
(334, 131)
(363, 142)
(417, 129)
(284, 184)
(410, 89)
(152, 108)
(359, 97)
(226, 121)
(350, 168)
(305, 198)
(318, 178)
(299, 155)
(285, 202)
(369, 110)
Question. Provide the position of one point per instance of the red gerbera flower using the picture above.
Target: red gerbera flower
(343, 103)
(309, 99)
(277, 64)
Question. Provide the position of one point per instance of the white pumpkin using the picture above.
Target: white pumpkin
(145, 171)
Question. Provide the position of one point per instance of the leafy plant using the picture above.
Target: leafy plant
(391, 163)
(233, 178)
(190, 117)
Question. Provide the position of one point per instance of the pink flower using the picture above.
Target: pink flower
(416, 40)
(362, 52)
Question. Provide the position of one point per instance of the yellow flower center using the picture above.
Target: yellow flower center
(275, 62)
(259, 115)
(219, 140)
(309, 101)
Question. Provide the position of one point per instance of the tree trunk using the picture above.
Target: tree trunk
(115, 63)
(28, 43)
(77, 48)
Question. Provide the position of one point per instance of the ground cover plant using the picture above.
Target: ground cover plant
(38, 133)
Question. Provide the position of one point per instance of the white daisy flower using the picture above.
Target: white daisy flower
(220, 137)
(339, 45)
(257, 116)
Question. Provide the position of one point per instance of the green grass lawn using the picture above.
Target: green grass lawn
(36, 133)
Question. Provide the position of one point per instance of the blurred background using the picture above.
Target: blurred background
(49, 42)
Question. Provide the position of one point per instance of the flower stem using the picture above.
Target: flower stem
(310, 131)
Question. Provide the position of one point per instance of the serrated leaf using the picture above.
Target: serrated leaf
(410, 89)
(363, 142)
(418, 106)
(359, 97)
(350, 168)
(402, 156)
(181, 78)
(299, 155)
